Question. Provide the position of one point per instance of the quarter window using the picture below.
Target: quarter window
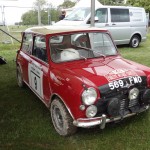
(27, 43)
(119, 15)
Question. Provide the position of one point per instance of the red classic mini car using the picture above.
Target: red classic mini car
(80, 76)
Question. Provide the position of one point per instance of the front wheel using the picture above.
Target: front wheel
(135, 41)
(61, 118)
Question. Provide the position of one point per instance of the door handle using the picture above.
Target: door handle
(113, 24)
(106, 24)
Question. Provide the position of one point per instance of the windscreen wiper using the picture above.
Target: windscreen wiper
(92, 51)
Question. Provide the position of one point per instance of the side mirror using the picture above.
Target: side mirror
(95, 20)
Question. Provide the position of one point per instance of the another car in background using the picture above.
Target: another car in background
(127, 25)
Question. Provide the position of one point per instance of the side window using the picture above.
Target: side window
(102, 15)
(119, 15)
(39, 49)
(27, 43)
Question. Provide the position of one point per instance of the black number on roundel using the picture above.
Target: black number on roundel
(35, 83)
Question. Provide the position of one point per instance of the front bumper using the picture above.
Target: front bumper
(89, 122)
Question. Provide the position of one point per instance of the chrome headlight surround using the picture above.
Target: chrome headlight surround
(133, 94)
(89, 96)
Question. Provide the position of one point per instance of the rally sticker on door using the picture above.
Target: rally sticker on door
(36, 78)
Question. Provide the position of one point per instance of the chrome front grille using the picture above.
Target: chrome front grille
(123, 104)
(126, 103)
(133, 103)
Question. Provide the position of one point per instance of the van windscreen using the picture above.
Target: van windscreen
(78, 14)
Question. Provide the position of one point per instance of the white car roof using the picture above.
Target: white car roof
(45, 30)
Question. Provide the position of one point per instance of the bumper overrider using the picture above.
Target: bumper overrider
(102, 120)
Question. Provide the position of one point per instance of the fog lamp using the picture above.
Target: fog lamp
(91, 111)
(133, 94)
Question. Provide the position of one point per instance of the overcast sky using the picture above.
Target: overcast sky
(13, 14)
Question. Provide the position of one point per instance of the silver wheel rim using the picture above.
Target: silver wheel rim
(135, 42)
(57, 117)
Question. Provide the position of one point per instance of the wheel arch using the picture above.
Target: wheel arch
(19, 65)
(54, 96)
(136, 34)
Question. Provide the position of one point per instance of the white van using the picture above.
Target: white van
(127, 25)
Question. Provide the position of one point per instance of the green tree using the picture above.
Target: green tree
(67, 4)
(140, 3)
(31, 17)
(41, 3)
(112, 2)
(54, 14)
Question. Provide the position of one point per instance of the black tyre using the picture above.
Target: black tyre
(135, 41)
(61, 118)
(19, 77)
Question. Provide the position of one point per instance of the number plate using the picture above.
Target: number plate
(125, 83)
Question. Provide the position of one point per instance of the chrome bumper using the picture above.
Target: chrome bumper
(89, 122)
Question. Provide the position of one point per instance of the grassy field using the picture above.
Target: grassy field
(25, 122)
(14, 31)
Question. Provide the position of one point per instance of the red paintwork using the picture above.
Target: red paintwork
(66, 79)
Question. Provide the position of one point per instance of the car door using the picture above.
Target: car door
(38, 69)
(24, 55)
(103, 18)
(120, 25)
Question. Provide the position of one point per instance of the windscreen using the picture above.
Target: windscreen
(83, 45)
(78, 14)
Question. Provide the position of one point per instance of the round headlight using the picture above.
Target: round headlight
(91, 111)
(133, 93)
(89, 96)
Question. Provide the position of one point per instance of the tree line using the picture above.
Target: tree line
(47, 12)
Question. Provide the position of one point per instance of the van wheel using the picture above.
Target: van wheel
(19, 77)
(135, 41)
(61, 118)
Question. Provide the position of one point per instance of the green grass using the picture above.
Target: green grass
(25, 122)
(140, 55)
